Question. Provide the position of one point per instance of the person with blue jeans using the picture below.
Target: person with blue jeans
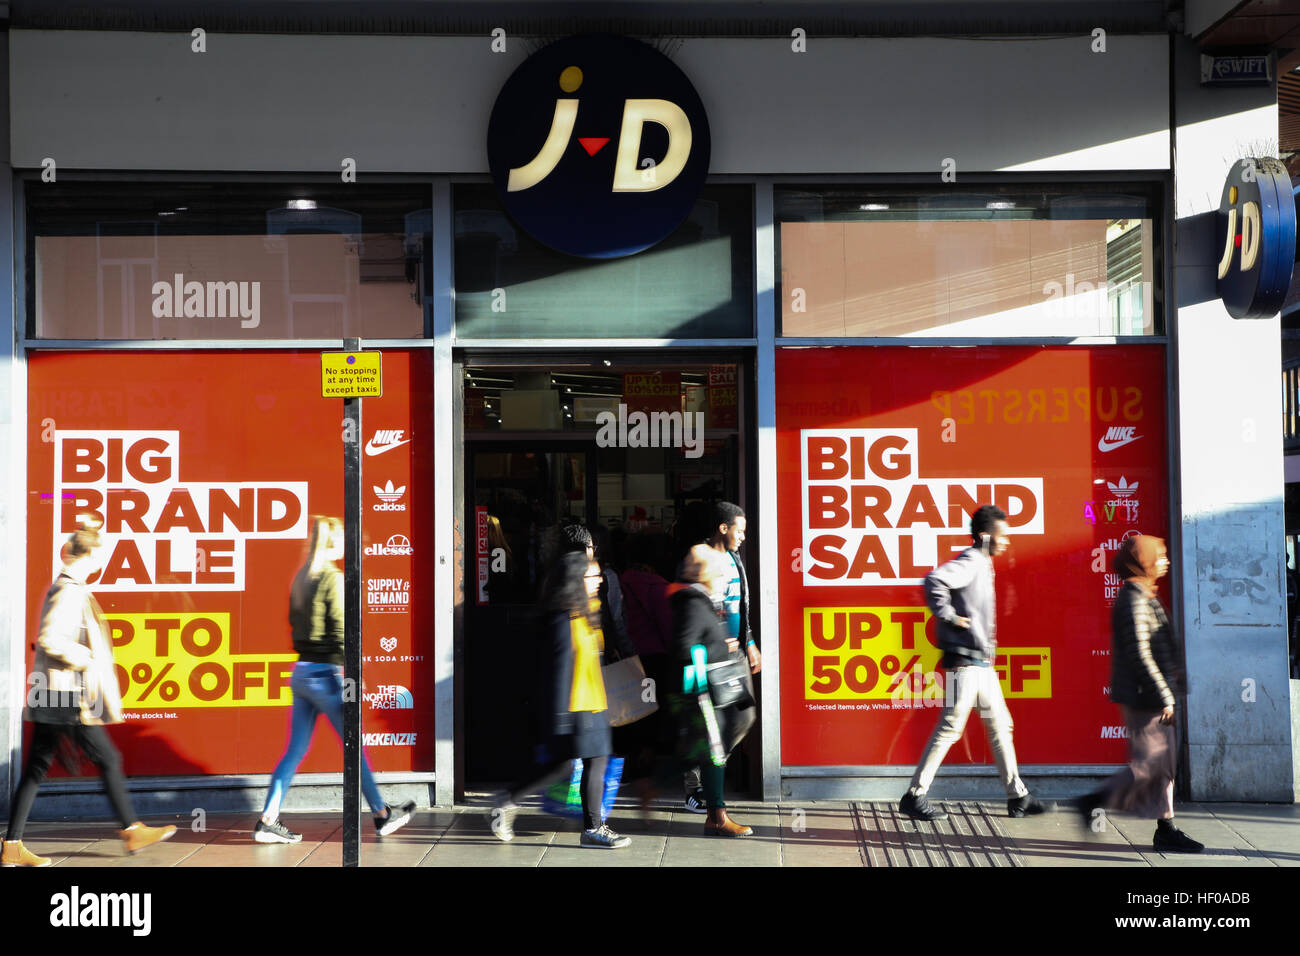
(316, 618)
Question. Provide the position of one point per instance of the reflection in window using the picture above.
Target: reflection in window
(181, 261)
(698, 282)
(999, 263)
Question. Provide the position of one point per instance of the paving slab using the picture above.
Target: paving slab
(1059, 839)
(978, 834)
(1269, 828)
(820, 834)
(1223, 847)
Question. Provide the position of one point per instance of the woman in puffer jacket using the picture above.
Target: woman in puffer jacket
(71, 695)
(1146, 679)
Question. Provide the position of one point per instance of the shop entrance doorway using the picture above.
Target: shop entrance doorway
(536, 458)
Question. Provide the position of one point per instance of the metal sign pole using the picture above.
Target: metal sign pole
(352, 625)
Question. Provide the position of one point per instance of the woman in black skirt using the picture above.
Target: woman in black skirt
(577, 725)
(1146, 676)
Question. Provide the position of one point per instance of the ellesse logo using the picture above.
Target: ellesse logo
(386, 440)
(598, 146)
(1117, 436)
(398, 545)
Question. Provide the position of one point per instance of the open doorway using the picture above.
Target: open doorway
(553, 442)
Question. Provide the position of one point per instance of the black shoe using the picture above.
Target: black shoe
(696, 802)
(1086, 807)
(1026, 806)
(1173, 840)
(916, 806)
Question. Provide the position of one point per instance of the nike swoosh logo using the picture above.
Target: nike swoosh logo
(373, 449)
(1103, 445)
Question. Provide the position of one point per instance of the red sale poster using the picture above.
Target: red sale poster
(883, 454)
(205, 468)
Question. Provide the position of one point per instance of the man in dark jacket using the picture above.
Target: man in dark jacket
(729, 527)
(960, 594)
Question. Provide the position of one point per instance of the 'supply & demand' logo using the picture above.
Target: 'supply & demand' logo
(549, 132)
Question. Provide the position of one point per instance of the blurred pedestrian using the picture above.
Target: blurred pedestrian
(316, 620)
(72, 694)
(711, 730)
(1146, 678)
(650, 630)
(960, 594)
(577, 725)
(613, 613)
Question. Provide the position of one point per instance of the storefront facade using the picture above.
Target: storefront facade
(877, 322)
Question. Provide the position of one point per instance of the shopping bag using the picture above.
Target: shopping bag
(564, 798)
(625, 692)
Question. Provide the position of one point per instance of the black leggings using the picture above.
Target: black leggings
(593, 786)
(95, 744)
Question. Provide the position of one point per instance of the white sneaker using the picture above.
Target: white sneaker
(275, 832)
(397, 818)
(604, 838)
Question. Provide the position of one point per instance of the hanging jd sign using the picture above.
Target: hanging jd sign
(1256, 236)
(598, 146)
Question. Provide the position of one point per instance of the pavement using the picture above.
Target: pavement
(812, 833)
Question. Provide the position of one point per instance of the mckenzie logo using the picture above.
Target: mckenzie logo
(389, 740)
(595, 124)
(651, 430)
(389, 497)
(385, 440)
(179, 299)
(1117, 436)
(75, 908)
(1114, 733)
(399, 545)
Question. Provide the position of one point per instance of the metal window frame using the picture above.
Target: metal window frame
(24, 346)
(448, 355)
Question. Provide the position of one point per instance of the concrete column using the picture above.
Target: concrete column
(1227, 426)
(13, 459)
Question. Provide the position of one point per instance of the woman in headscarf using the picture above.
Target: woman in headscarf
(1146, 678)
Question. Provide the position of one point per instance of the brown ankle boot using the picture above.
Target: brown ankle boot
(138, 836)
(719, 824)
(15, 854)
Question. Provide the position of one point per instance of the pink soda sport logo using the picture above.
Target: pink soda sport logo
(598, 146)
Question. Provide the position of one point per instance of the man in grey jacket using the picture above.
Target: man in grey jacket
(960, 594)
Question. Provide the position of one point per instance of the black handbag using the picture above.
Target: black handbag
(727, 685)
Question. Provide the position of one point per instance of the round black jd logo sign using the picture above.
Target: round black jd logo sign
(1256, 233)
(598, 146)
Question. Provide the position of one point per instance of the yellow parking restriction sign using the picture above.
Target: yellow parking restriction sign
(351, 375)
